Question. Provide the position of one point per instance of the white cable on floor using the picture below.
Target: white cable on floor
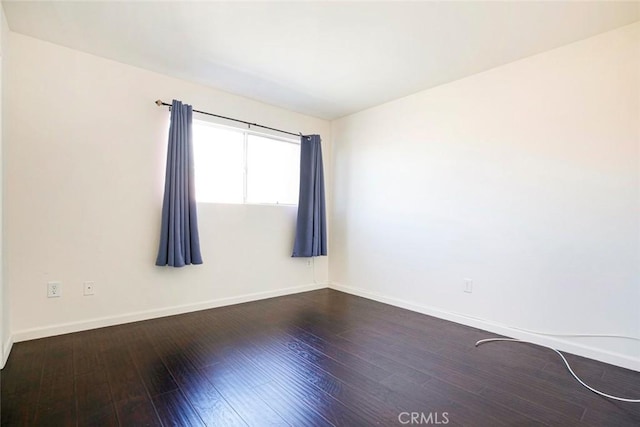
(621, 399)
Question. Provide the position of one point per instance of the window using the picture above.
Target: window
(236, 166)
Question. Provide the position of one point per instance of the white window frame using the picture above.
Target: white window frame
(245, 146)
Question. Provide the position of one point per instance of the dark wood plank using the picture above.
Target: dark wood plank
(86, 353)
(316, 335)
(303, 343)
(432, 400)
(290, 407)
(137, 411)
(288, 367)
(270, 366)
(241, 391)
(174, 410)
(124, 380)
(56, 402)
(212, 408)
(20, 383)
(94, 402)
(154, 374)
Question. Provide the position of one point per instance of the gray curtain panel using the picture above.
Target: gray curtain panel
(179, 241)
(311, 227)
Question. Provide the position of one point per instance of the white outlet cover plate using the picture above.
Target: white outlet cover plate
(54, 289)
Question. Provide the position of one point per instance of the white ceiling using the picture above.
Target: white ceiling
(325, 59)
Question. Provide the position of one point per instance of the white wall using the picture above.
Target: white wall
(5, 341)
(85, 157)
(524, 178)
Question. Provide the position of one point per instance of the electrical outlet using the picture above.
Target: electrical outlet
(309, 261)
(89, 288)
(468, 286)
(54, 289)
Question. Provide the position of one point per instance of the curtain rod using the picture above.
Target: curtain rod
(160, 103)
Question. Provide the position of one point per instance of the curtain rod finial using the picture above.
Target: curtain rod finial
(159, 102)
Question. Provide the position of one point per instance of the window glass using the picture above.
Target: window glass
(218, 164)
(273, 171)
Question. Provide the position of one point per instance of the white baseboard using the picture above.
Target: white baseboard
(554, 342)
(65, 328)
(559, 343)
(6, 349)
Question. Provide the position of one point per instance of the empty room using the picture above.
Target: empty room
(319, 213)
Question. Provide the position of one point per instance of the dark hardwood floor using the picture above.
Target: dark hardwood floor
(314, 359)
